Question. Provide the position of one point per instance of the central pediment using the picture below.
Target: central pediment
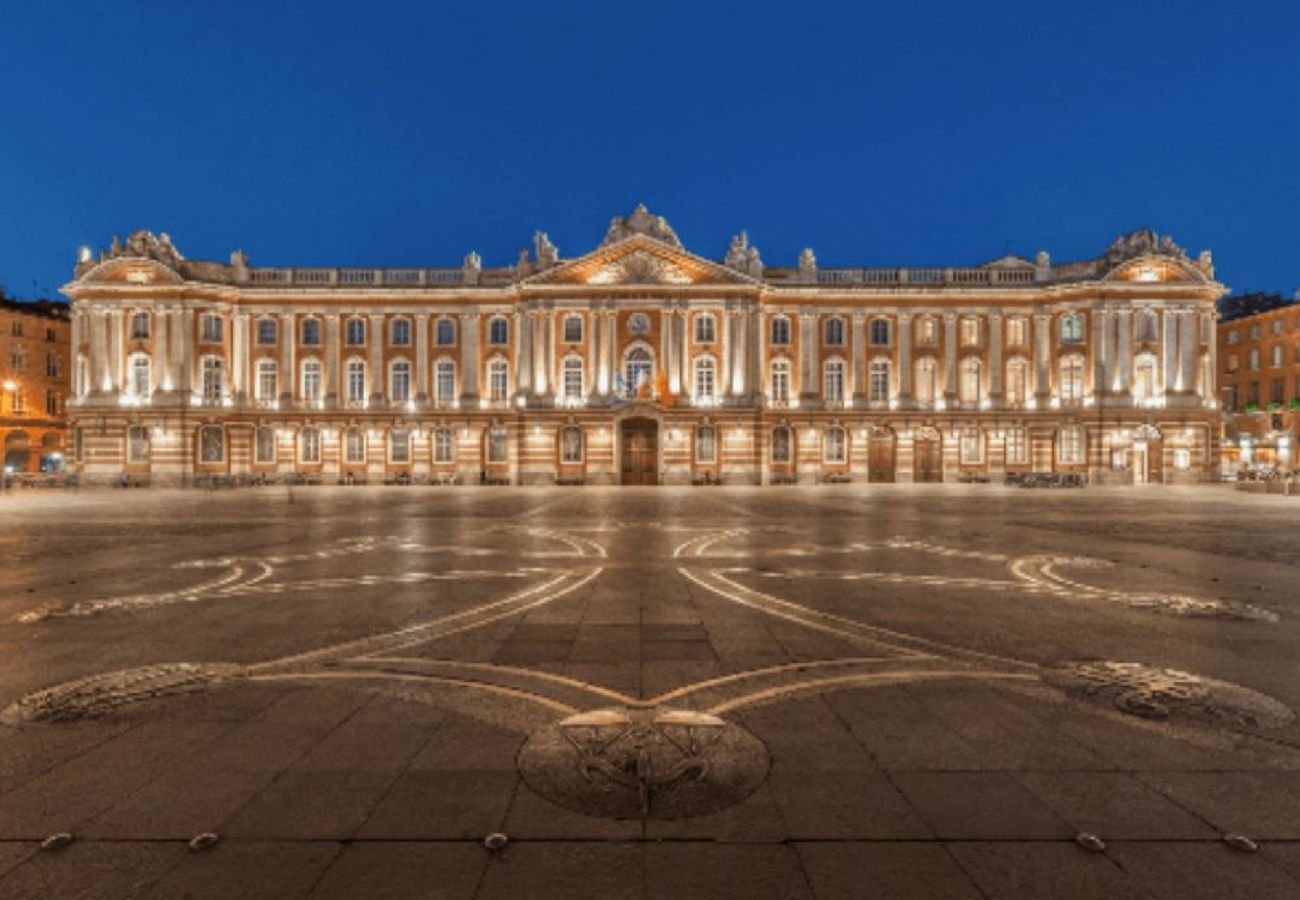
(640, 260)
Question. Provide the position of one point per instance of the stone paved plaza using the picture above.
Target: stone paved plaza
(840, 692)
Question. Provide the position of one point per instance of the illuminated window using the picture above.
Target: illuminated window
(926, 378)
(1070, 445)
(309, 445)
(878, 382)
(1017, 386)
(498, 449)
(571, 384)
(1017, 447)
(1071, 328)
(835, 447)
(705, 329)
(969, 332)
(399, 381)
(399, 445)
(498, 381)
(356, 381)
(781, 331)
(834, 332)
(927, 331)
(706, 444)
(354, 445)
(444, 382)
(212, 444)
(971, 383)
(141, 376)
(310, 386)
(1016, 332)
(833, 381)
(443, 446)
(1070, 382)
(571, 444)
(781, 381)
(264, 446)
(704, 379)
(213, 384)
(971, 446)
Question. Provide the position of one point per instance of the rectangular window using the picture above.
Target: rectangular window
(265, 332)
(498, 448)
(1233, 338)
(704, 329)
(264, 451)
(706, 446)
(52, 365)
(572, 329)
(1017, 447)
(211, 330)
(137, 445)
(310, 439)
(1071, 445)
(399, 445)
(354, 446)
(1254, 359)
(51, 403)
(836, 450)
(1015, 332)
(971, 447)
(571, 445)
(445, 382)
(970, 332)
(1275, 391)
(1182, 459)
(442, 446)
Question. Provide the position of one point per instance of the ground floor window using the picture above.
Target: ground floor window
(971, 447)
(1071, 445)
(706, 444)
(781, 445)
(309, 445)
(571, 445)
(354, 445)
(442, 445)
(1182, 459)
(399, 445)
(836, 445)
(264, 450)
(212, 444)
(1017, 447)
(498, 449)
(137, 444)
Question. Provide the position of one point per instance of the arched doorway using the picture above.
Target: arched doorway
(928, 455)
(640, 451)
(880, 455)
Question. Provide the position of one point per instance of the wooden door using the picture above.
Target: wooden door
(929, 461)
(880, 459)
(640, 463)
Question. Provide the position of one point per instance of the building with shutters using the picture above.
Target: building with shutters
(34, 378)
(640, 362)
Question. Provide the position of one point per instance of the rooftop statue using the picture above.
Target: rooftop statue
(641, 222)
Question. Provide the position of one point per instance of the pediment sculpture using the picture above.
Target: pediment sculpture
(641, 222)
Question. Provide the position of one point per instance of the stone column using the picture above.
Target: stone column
(858, 369)
(333, 361)
(524, 369)
(378, 377)
(288, 341)
(99, 377)
(469, 361)
(667, 360)
(1124, 352)
(950, 360)
(1098, 321)
(239, 356)
(1188, 342)
(548, 323)
(1169, 346)
(164, 379)
(684, 332)
(995, 359)
(1042, 359)
(422, 358)
(905, 360)
(182, 344)
(117, 350)
(809, 364)
(1209, 390)
(611, 346)
(757, 355)
(739, 361)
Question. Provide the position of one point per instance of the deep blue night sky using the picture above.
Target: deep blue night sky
(917, 133)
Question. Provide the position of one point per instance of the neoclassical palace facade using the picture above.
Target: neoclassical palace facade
(643, 363)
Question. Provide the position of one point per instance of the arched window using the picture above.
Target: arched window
(781, 331)
(266, 332)
(356, 381)
(572, 329)
(706, 444)
(309, 445)
(1070, 382)
(1017, 386)
(704, 383)
(399, 445)
(354, 445)
(264, 446)
(443, 446)
(571, 444)
(498, 332)
(880, 332)
(706, 331)
(970, 332)
(927, 331)
(354, 333)
(834, 332)
(1071, 445)
(638, 370)
(781, 444)
(498, 380)
(1071, 328)
(926, 381)
(140, 326)
(141, 376)
(971, 387)
(1017, 446)
(780, 381)
(833, 381)
(311, 380)
(571, 382)
(399, 381)
(212, 444)
(311, 333)
(445, 333)
(878, 382)
(137, 444)
(835, 446)
(401, 332)
(444, 382)
(213, 379)
(1144, 326)
(268, 378)
(1144, 378)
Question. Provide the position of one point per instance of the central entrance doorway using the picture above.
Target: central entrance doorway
(640, 464)
(929, 460)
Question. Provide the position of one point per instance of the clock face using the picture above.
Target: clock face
(638, 323)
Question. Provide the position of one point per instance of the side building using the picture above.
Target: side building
(34, 379)
(1259, 383)
(640, 362)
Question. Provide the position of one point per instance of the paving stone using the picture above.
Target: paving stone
(843, 805)
(610, 871)
(400, 871)
(1202, 871)
(248, 870)
(443, 804)
(90, 871)
(1059, 871)
(1262, 805)
(979, 806)
(852, 870)
(1115, 805)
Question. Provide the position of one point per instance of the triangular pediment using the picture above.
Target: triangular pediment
(1156, 269)
(131, 270)
(640, 260)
